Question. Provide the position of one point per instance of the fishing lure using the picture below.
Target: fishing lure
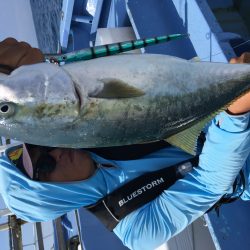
(109, 49)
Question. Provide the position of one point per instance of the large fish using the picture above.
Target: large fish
(118, 100)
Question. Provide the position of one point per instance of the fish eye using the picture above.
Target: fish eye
(6, 109)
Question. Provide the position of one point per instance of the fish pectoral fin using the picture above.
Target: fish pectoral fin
(115, 88)
(187, 139)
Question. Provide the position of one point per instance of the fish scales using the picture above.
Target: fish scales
(115, 101)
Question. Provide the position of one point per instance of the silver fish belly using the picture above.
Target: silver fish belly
(114, 101)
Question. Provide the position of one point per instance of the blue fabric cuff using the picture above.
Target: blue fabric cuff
(233, 123)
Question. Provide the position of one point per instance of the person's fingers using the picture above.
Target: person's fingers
(244, 58)
(5, 69)
(7, 44)
(233, 60)
(32, 56)
(13, 55)
(9, 41)
(20, 54)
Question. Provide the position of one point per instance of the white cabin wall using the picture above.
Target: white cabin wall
(16, 21)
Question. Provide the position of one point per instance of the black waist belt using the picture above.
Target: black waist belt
(136, 193)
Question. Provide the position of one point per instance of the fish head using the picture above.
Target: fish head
(36, 97)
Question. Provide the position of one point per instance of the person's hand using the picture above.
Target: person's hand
(244, 58)
(14, 54)
(241, 105)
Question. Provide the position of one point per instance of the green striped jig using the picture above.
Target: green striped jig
(109, 49)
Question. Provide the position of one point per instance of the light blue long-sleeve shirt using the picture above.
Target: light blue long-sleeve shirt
(225, 152)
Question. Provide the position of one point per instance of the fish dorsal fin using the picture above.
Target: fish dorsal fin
(187, 139)
(116, 88)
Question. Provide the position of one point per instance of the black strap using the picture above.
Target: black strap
(136, 193)
(129, 152)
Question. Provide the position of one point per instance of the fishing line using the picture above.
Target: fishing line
(236, 46)
(241, 44)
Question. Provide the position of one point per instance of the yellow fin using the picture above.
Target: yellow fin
(187, 139)
(115, 88)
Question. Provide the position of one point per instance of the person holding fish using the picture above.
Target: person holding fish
(42, 183)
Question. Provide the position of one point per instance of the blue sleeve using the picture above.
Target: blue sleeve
(224, 153)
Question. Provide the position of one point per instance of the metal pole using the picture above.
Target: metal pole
(15, 227)
(39, 234)
(59, 233)
(10, 240)
(79, 229)
(7, 226)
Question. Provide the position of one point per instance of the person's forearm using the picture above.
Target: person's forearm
(225, 151)
(242, 104)
(223, 155)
